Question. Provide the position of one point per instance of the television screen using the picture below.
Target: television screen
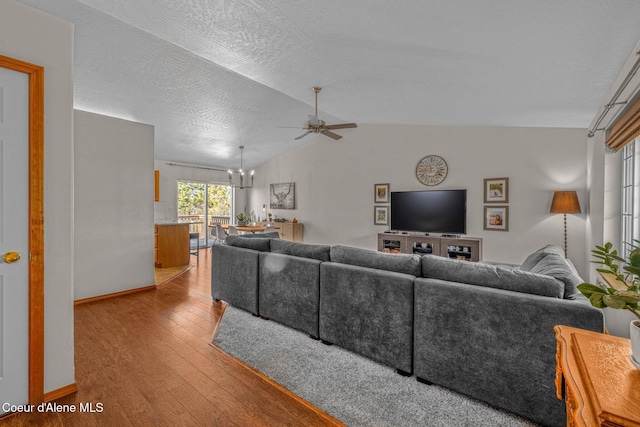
(437, 211)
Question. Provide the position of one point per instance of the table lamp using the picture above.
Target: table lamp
(565, 202)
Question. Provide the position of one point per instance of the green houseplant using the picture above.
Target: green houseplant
(243, 219)
(627, 273)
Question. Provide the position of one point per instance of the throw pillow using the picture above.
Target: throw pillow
(536, 256)
(558, 267)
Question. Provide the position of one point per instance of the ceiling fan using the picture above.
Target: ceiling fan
(315, 125)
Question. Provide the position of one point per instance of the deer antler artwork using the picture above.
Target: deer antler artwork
(283, 196)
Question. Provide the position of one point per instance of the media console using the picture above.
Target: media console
(465, 248)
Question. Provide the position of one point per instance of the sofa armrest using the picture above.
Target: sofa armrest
(234, 276)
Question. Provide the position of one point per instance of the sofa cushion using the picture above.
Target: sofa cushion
(400, 263)
(536, 256)
(256, 243)
(491, 276)
(269, 235)
(305, 250)
(562, 269)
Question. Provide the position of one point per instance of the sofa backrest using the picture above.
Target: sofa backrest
(400, 263)
(261, 244)
(305, 250)
(491, 276)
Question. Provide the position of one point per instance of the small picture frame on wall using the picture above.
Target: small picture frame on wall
(381, 193)
(496, 218)
(496, 190)
(381, 215)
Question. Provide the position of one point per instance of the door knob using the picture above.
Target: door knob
(11, 257)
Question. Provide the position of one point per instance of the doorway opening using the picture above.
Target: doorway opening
(204, 204)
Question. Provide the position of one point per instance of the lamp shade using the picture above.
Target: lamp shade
(565, 202)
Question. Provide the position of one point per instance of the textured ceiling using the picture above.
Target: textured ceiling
(211, 75)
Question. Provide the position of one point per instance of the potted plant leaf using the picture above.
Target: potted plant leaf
(243, 219)
(626, 296)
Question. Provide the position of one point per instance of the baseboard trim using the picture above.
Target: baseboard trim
(113, 295)
(61, 392)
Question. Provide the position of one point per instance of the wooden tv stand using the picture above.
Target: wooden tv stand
(466, 248)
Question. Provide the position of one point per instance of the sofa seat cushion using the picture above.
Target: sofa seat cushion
(491, 276)
(305, 250)
(560, 268)
(261, 244)
(399, 263)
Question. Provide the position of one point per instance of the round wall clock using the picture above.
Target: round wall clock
(431, 170)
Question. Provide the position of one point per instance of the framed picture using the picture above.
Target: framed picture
(381, 215)
(496, 218)
(282, 196)
(496, 190)
(381, 193)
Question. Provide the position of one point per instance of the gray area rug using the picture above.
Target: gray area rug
(349, 387)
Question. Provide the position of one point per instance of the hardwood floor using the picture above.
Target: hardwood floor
(146, 359)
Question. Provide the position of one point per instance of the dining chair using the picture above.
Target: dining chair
(232, 231)
(269, 229)
(221, 235)
(195, 251)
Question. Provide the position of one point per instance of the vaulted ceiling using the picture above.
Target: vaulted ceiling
(211, 75)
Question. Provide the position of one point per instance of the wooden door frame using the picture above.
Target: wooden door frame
(36, 223)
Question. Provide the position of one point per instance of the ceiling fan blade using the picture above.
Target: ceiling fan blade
(342, 126)
(330, 134)
(303, 135)
(314, 121)
(291, 127)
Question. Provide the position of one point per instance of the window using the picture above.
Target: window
(192, 199)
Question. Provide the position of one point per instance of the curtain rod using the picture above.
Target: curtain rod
(197, 167)
(614, 98)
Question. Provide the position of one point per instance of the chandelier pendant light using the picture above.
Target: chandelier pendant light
(240, 174)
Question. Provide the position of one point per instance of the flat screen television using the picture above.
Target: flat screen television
(436, 211)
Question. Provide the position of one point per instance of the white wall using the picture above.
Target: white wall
(113, 200)
(595, 205)
(335, 180)
(36, 37)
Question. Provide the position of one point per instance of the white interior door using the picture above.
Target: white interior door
(14, 240)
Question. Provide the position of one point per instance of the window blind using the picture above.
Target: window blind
(626, 128)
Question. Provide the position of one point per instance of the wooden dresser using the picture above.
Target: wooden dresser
(596, 378)
(292, 231)
(171, 245)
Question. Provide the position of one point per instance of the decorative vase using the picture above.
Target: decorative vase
(634, 334)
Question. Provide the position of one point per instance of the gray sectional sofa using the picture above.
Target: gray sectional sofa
(479, 329)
